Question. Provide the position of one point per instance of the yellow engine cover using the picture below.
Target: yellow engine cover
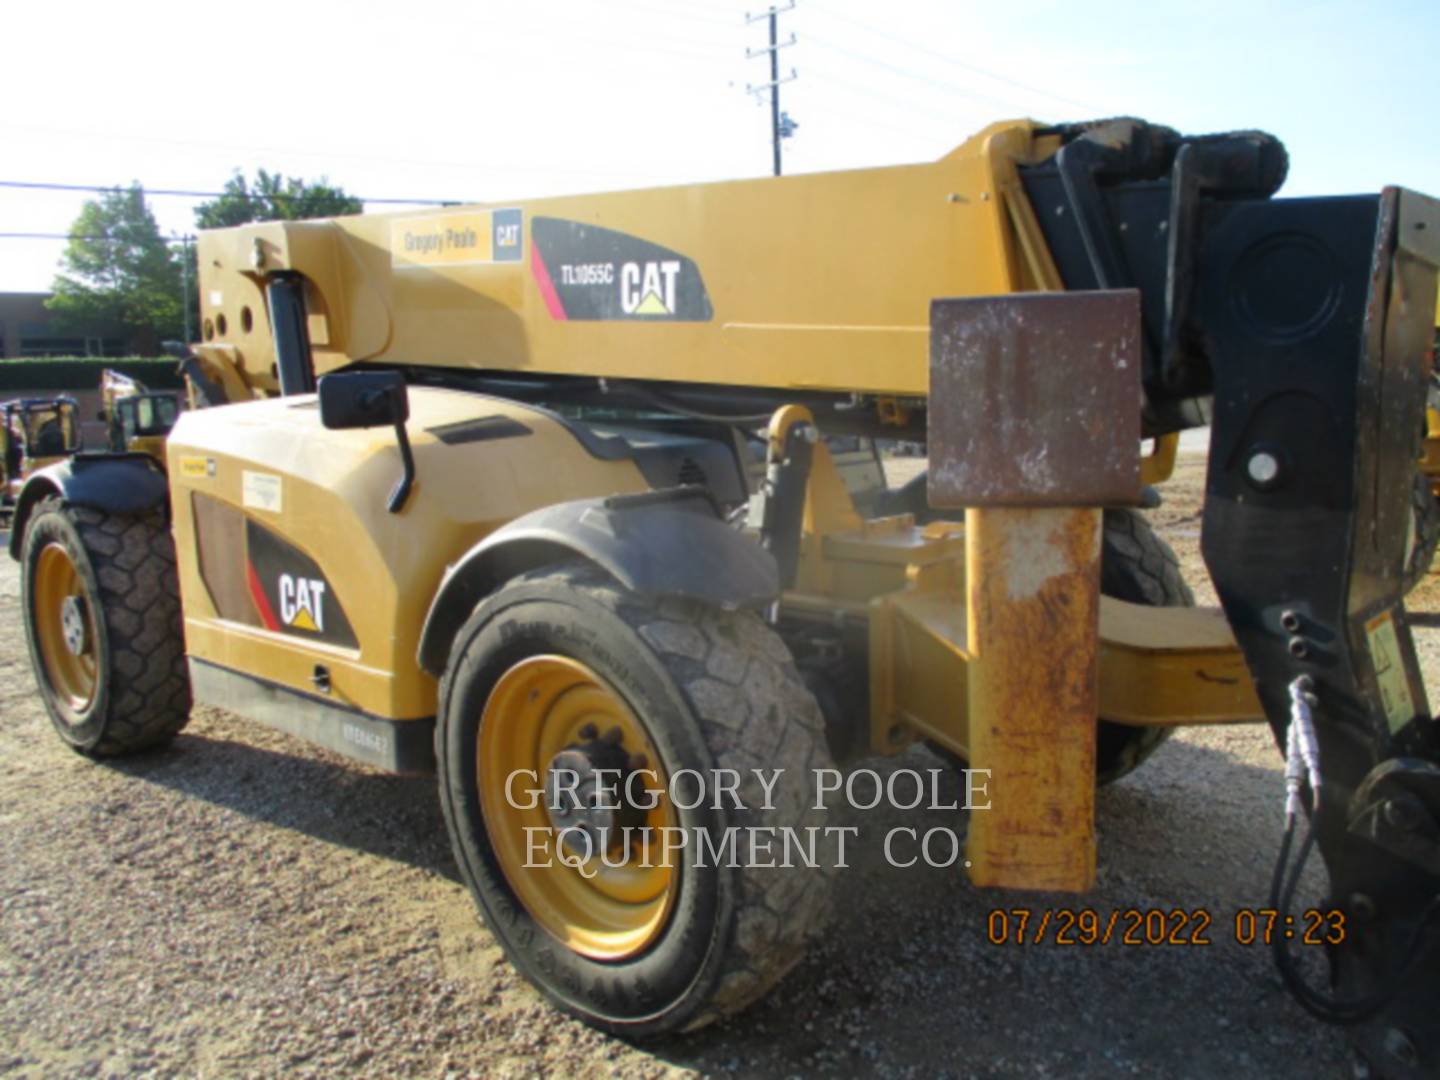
(288, 557)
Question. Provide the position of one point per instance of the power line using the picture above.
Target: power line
(871, 120)
(725, 12)
(708, 18)
(948, 59)
(328, 155)
(173, 238)
(906, 73)
(908, 105)
(185, 194)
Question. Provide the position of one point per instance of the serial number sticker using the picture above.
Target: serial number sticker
(368, 739)
(197, 468)
(472, 236)
(261, 491)
(1395, 695)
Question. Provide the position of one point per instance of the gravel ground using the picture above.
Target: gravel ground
(244, 904)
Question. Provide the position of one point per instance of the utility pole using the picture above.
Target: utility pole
(185, 285)
(781, 126)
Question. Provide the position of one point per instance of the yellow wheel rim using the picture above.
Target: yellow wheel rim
(65, 628)
(611, 906)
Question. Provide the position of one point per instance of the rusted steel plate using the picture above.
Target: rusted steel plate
(1035, 400)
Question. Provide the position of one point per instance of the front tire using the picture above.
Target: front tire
(102, 619)
(565, 661)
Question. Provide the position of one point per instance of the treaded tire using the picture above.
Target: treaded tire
(1137, 566)
(126, 569)
(715, 689)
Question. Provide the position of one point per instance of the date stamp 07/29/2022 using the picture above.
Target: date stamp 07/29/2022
(1161, 926)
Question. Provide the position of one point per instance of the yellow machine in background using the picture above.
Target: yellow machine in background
(473, 490)
(1427, 490)
(137, 419)
(34, 433)
(1430, 462)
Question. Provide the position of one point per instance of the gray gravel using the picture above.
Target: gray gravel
(244, 904)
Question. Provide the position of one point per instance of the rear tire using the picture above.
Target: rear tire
(703, 689)
(1137, 566)
(1426, 532)
(102, 619)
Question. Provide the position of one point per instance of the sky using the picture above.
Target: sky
(498, 100)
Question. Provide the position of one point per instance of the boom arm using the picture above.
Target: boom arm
(813, 283)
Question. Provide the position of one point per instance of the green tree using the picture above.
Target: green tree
(272, 197)
(118, 275)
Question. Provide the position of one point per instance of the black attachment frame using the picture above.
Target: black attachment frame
(1308, 323)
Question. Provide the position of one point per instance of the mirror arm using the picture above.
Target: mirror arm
(407, 478)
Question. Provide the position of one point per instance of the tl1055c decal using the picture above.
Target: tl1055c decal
(585, 272)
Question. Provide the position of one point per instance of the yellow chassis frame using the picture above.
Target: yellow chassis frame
(911, 586)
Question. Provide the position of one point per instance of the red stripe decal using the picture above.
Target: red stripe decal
(544, 284)
(262, 602)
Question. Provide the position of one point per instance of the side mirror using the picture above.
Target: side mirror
(363, 399)
(367, 399)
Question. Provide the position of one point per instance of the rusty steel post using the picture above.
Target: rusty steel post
(1034, 425)
(1033, 591)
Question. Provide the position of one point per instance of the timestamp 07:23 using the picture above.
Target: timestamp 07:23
(1162, 926)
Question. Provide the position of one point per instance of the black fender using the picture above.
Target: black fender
(114, 483)
(661, 543)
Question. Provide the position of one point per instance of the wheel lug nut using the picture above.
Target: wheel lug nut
(589, 731)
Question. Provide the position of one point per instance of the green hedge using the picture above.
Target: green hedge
(83, 373)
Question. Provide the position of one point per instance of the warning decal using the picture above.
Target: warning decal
(1390, 671)
(262, 491)
(585, 272)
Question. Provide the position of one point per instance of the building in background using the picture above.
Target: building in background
(27, 328)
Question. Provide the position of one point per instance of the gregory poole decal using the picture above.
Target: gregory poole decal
(586, 272)
(451, 239)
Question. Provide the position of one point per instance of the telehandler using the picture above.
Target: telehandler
(137, 418)
(34, 433)
(470, 494)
